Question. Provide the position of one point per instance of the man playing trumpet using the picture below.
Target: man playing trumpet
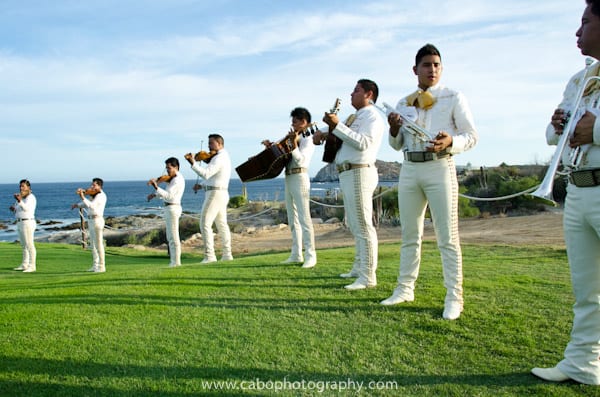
(95, 215)
(582, 212)
(428, 177)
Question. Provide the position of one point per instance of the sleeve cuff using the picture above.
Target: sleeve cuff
(458, 145)
(596, 131)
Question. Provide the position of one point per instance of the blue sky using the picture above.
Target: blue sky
(112, 88)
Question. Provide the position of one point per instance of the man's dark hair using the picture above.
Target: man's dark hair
(173, 162)
(217, 138)
(595, 6)
(25, 181)
(301, 114)
(370, 85)
(427, 49)
(99, 181)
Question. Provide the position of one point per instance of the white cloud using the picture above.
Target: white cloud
(119, 92)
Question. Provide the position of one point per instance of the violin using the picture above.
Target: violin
(164, 178)
(88, 192)
(205, 156)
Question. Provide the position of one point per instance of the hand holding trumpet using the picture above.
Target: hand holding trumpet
(584, 129)
(558, 121)
(395, 122)
(441, 141)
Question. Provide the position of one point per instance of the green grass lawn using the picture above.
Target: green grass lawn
(144, 329)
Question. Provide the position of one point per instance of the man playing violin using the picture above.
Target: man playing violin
(24, 209)
(171, 196)
(216, 174)
(95, 215)
(297, 191)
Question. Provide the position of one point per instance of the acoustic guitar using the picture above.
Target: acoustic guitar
(271, 162)
(332, 142)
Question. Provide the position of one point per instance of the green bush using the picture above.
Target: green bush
(237, 201)
(501, 182)
(389, 202)
(466, 209)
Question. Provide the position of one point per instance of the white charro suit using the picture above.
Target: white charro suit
(432, 181)
(172, 198)
(214, 209)
(297, 202)
(95, 216)
(355, 161)
(582, 237)
(26, 225)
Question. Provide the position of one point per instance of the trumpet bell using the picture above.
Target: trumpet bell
(544, 198)
(544, 192)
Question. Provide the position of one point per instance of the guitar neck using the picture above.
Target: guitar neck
(312, 128)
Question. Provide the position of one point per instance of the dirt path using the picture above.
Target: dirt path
(541, 229)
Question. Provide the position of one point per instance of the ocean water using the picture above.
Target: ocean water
(127, 198)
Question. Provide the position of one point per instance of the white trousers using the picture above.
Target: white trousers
(214, 210)
(26, 230)
(172, 215)
(357, 186)
(96, 229)
(297, 203)
(432, 182)
(582, 237)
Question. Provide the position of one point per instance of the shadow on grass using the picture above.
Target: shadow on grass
(135, 380)
(366, 304)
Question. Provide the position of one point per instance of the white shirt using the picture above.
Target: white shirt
(95, 206)
(25, 209)
(591, 159)
(450, 113)
(217, 172)
(174, 191)
(362, 138)
(302, 154)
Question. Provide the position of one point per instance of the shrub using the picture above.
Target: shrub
(499, 182)
(237, 201)
(466, 209)
(389, 202)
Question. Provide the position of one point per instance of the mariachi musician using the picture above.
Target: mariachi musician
(355, 160)
(95, 208)
(24, 209)
(216, 173)
(297, 190)
(578, 138)
(172, 198)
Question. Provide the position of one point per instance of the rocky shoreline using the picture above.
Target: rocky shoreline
(147, 231)
(264, 230)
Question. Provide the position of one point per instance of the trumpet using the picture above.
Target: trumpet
(413, 128)
(574, 155)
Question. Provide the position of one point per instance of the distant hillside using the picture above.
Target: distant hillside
(389, 171)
